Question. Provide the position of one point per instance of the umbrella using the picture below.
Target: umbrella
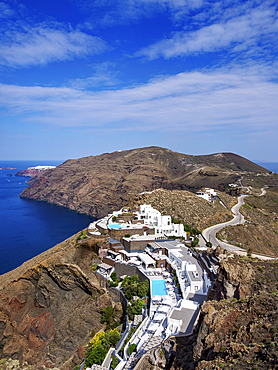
(153, 327)
(164, 309)
(158, 317)
(156, 298)
(166, 300)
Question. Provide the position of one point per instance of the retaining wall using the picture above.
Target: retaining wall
(123, 269)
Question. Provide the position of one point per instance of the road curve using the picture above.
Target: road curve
(210, 233)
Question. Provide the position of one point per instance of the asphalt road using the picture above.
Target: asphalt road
(210, 233)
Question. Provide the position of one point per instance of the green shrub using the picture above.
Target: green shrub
(132, 348)
(132, 286)
(114, 362)
(113, 284)
(113, 276)
(135, 308)
(94, 267)
(106, 315)
(98, 347)
(194, 242)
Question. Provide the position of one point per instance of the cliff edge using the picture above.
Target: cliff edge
(50, 305)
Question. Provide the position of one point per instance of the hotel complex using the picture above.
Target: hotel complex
(155, 247)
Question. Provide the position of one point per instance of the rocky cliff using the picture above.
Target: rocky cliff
(50, 305)
(238, 325)
(97, 185)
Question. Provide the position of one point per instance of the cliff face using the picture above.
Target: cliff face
(238, 325)
(241, 330)
(97, 185)
(50, 305)
(28, 173)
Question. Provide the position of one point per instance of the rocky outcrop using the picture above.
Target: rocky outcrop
(50, 305)
(241, 330)
(100, 184)
(27, 173)
(238, 331)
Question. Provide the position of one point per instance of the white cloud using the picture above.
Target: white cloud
(239, 32)
(126, 11)
(5, 10)
(103, 75)
(22, 45)
(238, 100)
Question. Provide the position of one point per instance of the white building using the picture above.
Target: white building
(162, 224)
(192, 278)
(208, 194)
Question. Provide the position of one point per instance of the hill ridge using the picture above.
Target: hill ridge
(96, 185)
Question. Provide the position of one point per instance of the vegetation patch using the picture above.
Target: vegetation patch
(99, 346)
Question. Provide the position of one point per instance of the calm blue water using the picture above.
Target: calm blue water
(272, 166)
(28, 227)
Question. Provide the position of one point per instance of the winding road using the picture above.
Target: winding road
(209, 234)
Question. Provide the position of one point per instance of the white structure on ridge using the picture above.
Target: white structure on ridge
(208, 194)
(41, 168)
(162, 224)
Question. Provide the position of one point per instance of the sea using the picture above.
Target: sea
(29, 227)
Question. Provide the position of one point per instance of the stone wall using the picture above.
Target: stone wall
(123, 269)
(108, 261)
(135, 245)
(118, 233)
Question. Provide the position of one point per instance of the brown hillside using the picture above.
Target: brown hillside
(100, 184)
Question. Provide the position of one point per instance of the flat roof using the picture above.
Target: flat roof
(140, 237)
(112, 241)
(118, 247)
(105, 266)
(200, 298)
(112, 252)
(188, 318)
(145, 258)
(168, 243)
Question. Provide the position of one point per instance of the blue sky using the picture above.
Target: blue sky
(81, 78)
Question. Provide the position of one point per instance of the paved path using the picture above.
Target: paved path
(263, 191)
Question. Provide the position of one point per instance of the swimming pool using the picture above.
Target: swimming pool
(159, 287)
(115, 226)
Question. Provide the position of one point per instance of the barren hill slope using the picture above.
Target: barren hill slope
(98, 184)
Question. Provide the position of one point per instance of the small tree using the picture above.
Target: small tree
(194, 242)
(209, 244)
(132, 348)
(113, 276)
